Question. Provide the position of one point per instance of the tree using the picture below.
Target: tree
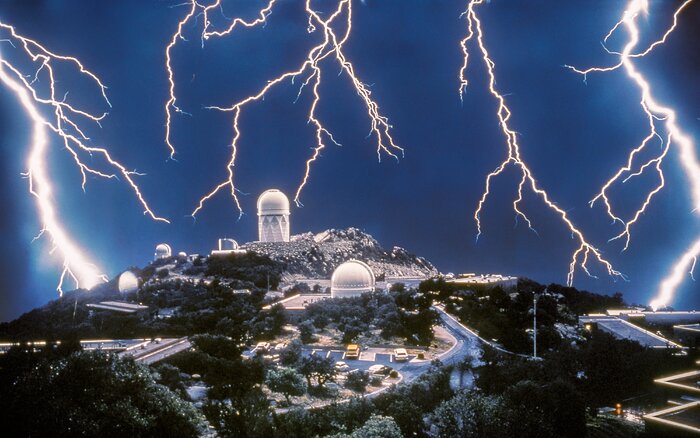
(418, 326)
(321, 369)
(169, 375)
(462, 368)
(357, 381)
(397, 287)
(217, 346)
(270, 322)
(291, 355)
(352, 328)
(545, 411)
(469, 415)
(376, 427)
(306, 332)
(246, 416)
(286, 381)
(94, 394)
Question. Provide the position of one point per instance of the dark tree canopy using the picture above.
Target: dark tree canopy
(94, 394)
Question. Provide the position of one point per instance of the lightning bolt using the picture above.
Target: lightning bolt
(585, 250)
(64, 122)
(310, 72)
(656, 114)
(196, 10)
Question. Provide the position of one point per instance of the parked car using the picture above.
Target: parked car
(352, 351)
(381, 370)
(400, 355)
(341, 366)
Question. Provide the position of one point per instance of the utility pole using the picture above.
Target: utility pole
(535, 297)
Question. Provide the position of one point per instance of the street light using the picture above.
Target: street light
(535, 297)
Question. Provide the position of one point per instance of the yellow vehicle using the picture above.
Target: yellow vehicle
(352, 351)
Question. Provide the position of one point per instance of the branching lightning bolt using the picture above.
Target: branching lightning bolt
(63, 123)
(331, 47)
(656, 113)
(585, 250)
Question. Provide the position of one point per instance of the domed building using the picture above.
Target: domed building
(163, 251)
(273, 216)
(227, 244)
(352, 278)
(128, 282)
(226, 247)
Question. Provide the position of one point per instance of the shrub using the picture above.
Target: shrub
(376, 381)
(357, 381)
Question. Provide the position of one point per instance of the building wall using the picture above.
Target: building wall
(273, 228)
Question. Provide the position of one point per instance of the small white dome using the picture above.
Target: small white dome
(352, 278)
(163, 251)
(128, 282)
(273, 202)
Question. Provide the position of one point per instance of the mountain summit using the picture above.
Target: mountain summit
(312, 255)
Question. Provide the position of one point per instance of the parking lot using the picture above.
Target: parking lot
(368, 357)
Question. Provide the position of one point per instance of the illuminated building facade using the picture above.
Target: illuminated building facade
(273, 216)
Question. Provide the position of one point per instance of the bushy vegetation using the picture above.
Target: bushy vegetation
(256, 269)
(602, 369)
(286, 381)
(357, 381)
(405, 314)
(200, 308)
(406, 405)
(91, 394)
(505, 315)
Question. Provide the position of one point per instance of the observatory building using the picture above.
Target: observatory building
(352, 278)
(128, 282)
(273, 216)
(163, 251)
(227, 246)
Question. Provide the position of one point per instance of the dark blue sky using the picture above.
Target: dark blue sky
(574, 135)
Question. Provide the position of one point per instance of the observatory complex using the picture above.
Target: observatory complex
(273, 216)
(350, 279)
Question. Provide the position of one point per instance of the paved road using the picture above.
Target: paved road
(152, 352)
(467, 347)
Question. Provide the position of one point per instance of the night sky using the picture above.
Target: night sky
(573, 134)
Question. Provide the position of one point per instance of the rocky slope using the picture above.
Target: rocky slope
(317, 255)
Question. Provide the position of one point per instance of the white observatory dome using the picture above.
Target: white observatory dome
(128, 282)
(352, 278)
(273, 202)
(163, 251)
(273, 216)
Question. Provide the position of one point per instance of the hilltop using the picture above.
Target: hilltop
(317, 255)
(170, 282)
